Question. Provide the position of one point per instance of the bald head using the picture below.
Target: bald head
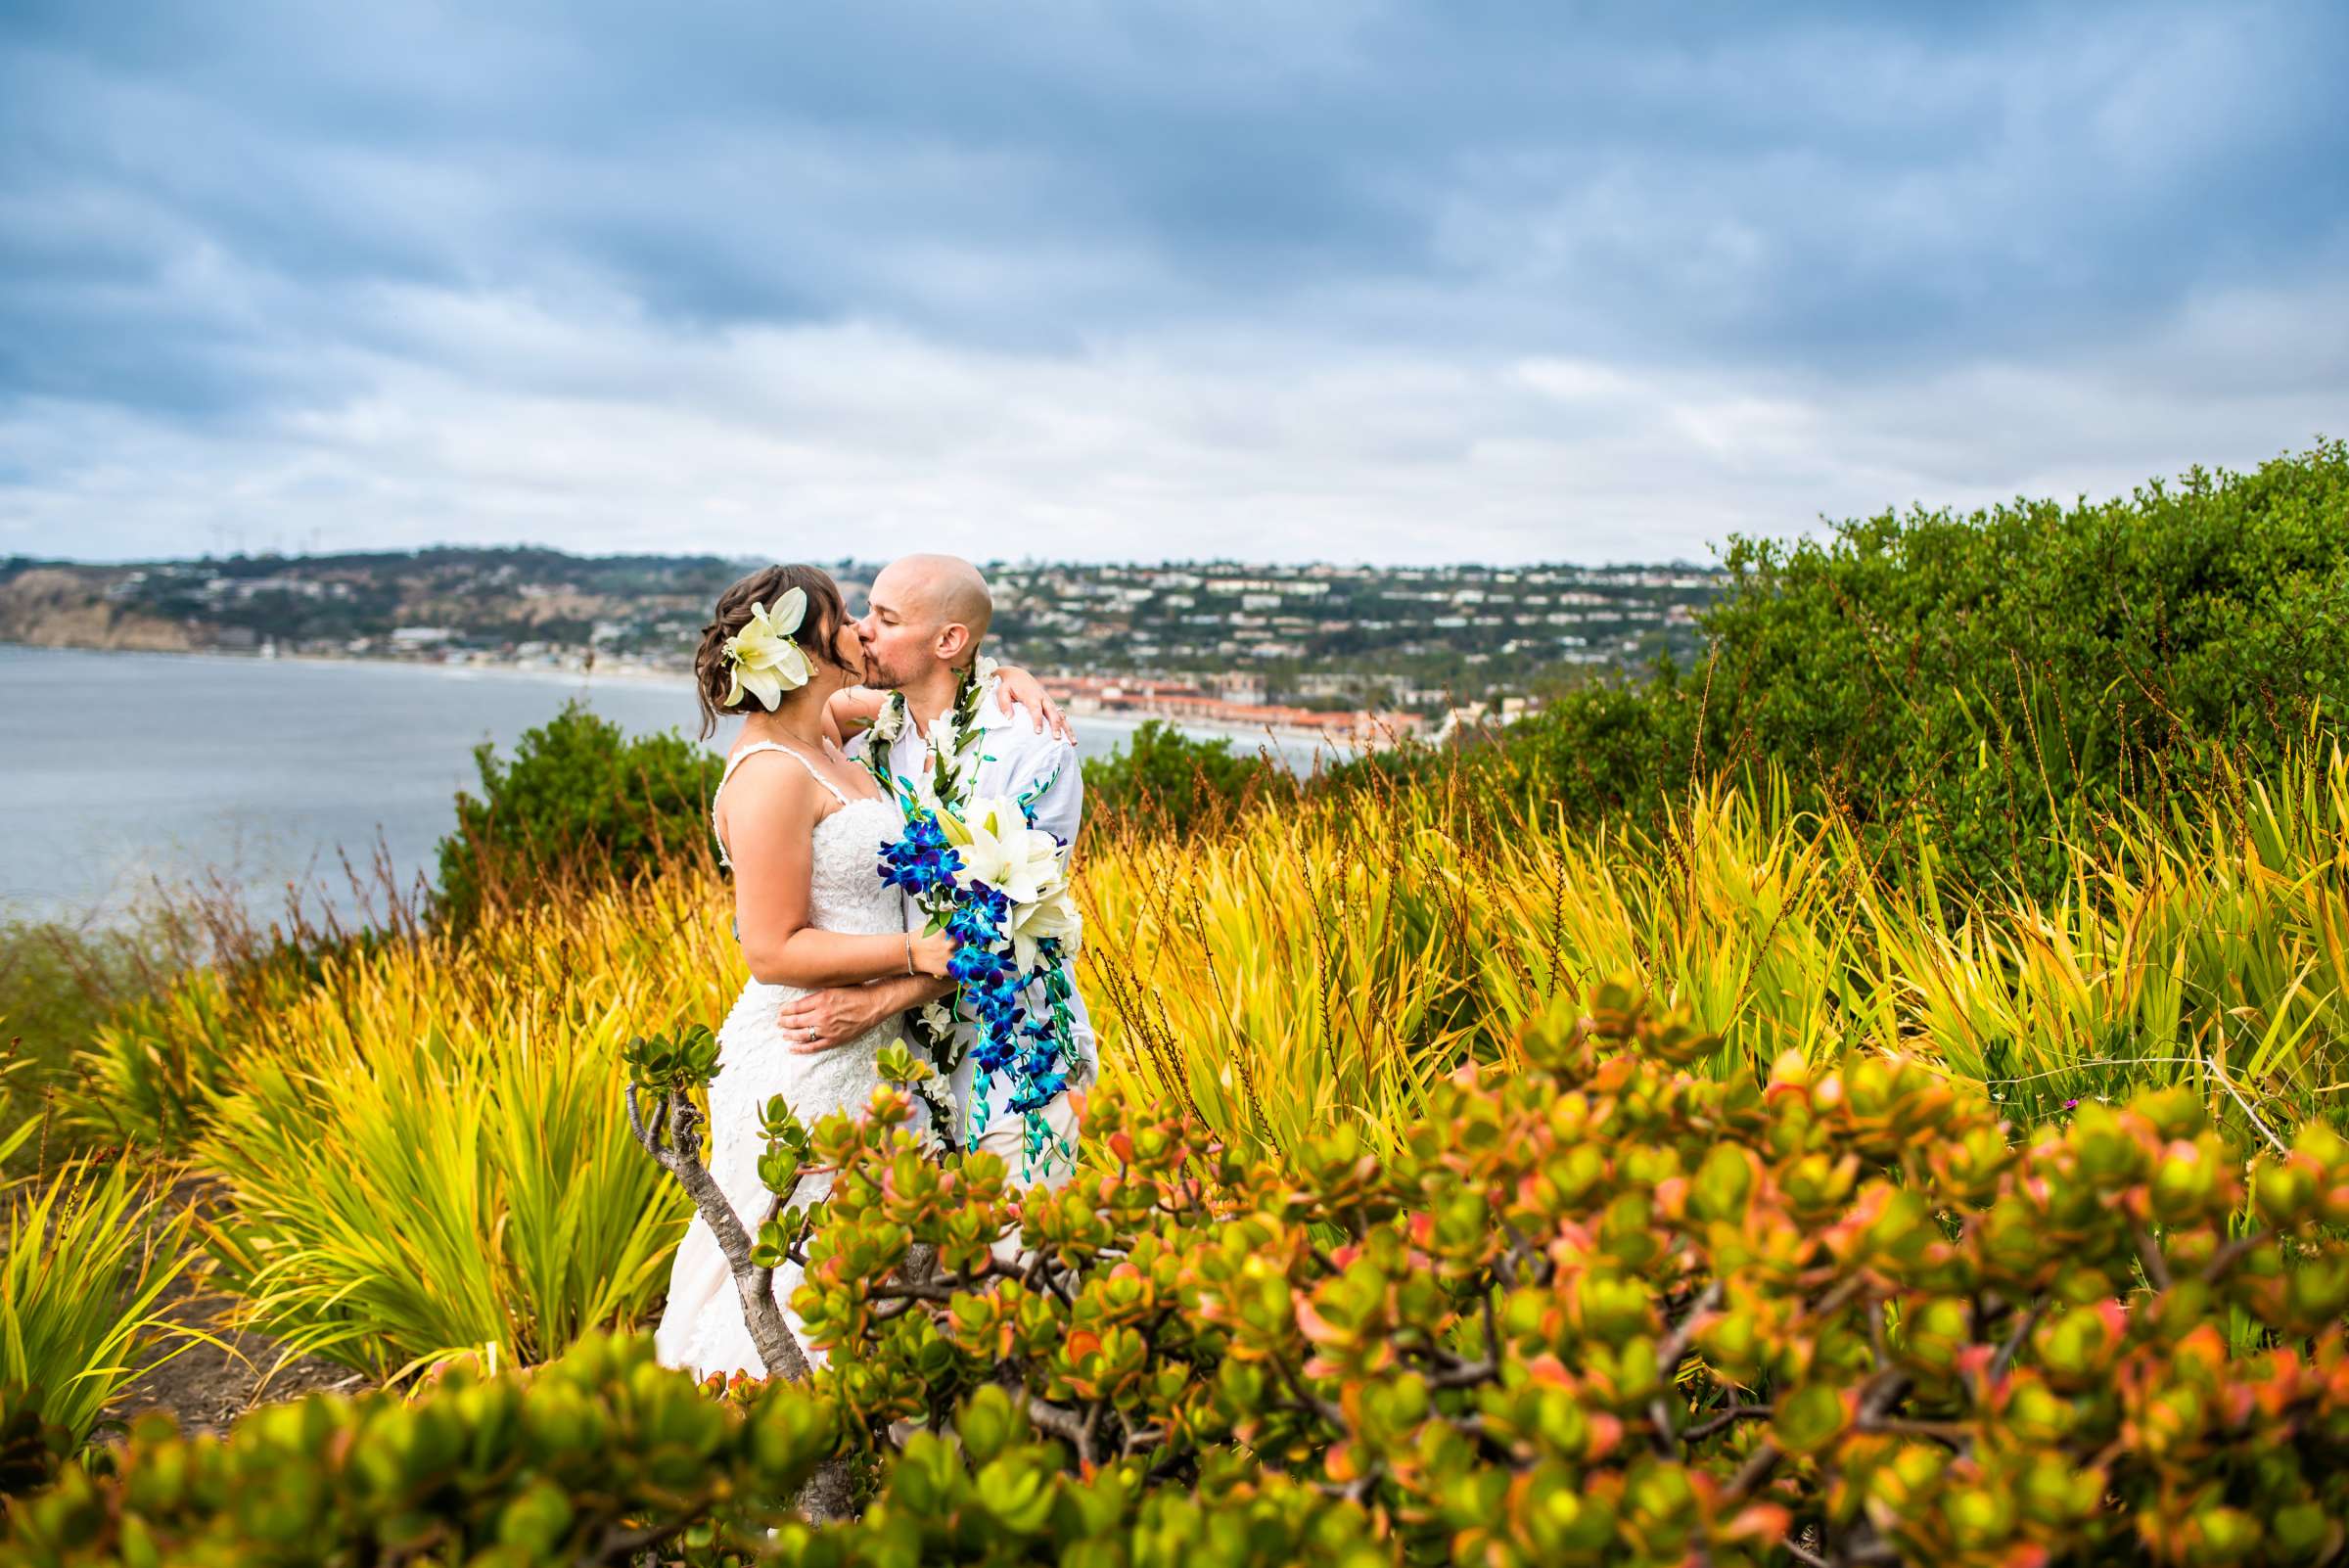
(926, 611)
(949, 590)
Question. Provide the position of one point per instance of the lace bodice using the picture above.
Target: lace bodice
(844, 889)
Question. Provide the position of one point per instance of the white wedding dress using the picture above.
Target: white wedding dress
(702, 1327)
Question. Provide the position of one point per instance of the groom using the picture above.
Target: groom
(923, 627)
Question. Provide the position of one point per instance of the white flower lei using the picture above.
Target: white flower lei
(947, 784)
(944, 787)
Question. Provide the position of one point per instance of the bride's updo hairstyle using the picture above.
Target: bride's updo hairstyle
(817, 632)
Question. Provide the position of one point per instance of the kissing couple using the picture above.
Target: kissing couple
(897, 814)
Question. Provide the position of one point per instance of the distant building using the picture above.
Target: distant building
(1243, 686)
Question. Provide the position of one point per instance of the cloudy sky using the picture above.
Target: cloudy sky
(1295, 279)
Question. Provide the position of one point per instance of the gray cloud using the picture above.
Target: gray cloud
(1351, 279)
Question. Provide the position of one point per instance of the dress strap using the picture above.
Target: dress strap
(755, 746)
(735, 761)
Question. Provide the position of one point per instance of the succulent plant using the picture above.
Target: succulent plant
(1604, 1308)
(1599, 1308)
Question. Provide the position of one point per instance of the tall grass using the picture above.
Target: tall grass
(88, 1253)
(420, 1140)
(60, 981)
(152, 1059)
(1330, 959)
(425, 1149)
(2209, 948)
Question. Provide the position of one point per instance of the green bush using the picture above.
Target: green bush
(603, 1456)
(587, 1460)
(1987, 683)
(1162, 779)
(579, 800)
(1599, 1310)
(1604, 1309)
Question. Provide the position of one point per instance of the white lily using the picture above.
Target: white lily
(998, 847)
(1027, 866)
(766, 661)
(1053, 916)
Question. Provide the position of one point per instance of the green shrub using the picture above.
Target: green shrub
(1990, 684)
(579, 800)
(1604, 1309)
(1163, 778)
(1991, 681)
(589, 1460)
(1599, 1310)
(603, 1456)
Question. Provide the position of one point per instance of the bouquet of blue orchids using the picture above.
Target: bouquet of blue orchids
(1000, 885)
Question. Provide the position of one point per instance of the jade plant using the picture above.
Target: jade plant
(1599, 1308)
(1602, 1309)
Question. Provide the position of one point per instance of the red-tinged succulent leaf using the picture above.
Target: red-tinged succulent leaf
(1595, 1308)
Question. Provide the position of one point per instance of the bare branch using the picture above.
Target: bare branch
(1888, 1388)
(778, 1349)
(1056, 1420)
(2233, 1252)
(2014, 1341)
(1803, 1553)
(1668, 1362)
(1312, 1402)
(1956, 1433)
(1726, 1417)
(1756, 1470)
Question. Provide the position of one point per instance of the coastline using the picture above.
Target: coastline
(1295, 748)
(258, 772)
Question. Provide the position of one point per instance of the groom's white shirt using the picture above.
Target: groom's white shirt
(1012, 758)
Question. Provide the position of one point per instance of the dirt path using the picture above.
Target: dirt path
(206, 1386)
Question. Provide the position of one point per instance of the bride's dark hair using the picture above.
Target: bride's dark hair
(818, 633)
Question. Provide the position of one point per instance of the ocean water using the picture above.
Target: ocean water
(118, 770)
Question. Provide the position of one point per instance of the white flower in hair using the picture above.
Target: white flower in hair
(764, 660)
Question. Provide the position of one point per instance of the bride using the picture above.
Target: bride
(801, 828)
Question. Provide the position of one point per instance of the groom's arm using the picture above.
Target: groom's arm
(838, 1014)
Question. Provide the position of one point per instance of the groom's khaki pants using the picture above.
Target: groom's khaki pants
(1006, 1139)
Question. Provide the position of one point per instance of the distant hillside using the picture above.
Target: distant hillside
(1330, 636)
(488, 600)
(49, 606)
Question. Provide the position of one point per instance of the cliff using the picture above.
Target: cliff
(52, 608)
